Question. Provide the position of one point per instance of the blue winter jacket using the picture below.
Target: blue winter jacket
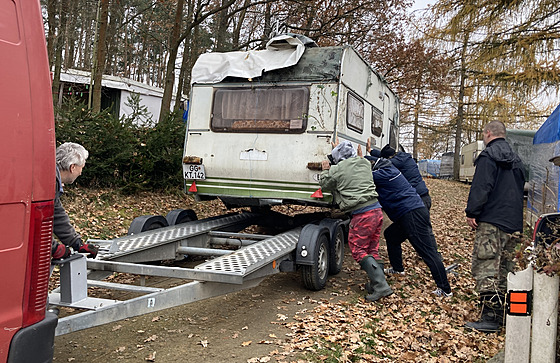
(406, 164)
(396, 195)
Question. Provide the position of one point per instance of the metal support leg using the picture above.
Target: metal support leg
(73, 279)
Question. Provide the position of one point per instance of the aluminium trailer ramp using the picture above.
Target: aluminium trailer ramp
(238, 270)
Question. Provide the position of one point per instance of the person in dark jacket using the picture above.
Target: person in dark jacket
(407, 166)
(495, 211)
(70, 160)
(411, 220)
(349, 179)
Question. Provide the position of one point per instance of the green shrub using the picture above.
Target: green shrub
(130, 153)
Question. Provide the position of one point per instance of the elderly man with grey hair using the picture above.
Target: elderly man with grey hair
(70, 160)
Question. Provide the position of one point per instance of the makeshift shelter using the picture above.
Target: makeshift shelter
(543, 188)
(115, 92)
(446, 169)
(429, 167)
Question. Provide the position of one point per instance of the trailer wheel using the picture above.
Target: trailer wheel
(336, 254)
(315, 275)
(146, 223)
(178, 216)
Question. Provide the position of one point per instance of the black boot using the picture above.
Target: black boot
(378, 285)
(492, 317)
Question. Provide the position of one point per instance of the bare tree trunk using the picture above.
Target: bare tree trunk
(100, 56)
(170, 69)
(51, 35)
(60, 40)
(460, 112)
(416, 121)
(240, 22)
(221, 29)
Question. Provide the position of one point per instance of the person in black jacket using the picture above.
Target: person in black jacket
(495, 211)
(70, 160)
(411, 220)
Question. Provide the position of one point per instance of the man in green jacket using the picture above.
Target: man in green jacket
(350, 180)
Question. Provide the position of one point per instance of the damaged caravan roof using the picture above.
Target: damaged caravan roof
(292, 60)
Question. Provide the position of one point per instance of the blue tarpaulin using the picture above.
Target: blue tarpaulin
(544, 176)
(550, 129)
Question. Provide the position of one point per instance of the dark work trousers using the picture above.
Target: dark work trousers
(428, 203)
(417, 228)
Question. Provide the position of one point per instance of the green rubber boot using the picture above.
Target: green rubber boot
(377, 284)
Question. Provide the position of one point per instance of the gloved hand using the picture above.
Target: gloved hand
(90, 249)
(60, 251)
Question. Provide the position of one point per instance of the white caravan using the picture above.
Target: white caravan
(469, 153)
(261, 122)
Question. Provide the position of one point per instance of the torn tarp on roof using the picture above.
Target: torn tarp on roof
(281, 52)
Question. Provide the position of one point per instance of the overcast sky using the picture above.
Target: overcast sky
(421, 4)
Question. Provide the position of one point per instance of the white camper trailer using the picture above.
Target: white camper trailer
(469, 153)
(261, 122)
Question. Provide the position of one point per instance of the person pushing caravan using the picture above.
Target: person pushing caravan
(349, 179)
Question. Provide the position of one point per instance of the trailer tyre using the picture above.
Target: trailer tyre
(315, 275)
(336, 255)
(146, 223)
(178, 216)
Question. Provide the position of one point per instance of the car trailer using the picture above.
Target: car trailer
(307, 242)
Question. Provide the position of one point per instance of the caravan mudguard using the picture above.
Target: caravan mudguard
(307, 242)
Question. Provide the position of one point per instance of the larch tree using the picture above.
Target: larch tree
(504, 56)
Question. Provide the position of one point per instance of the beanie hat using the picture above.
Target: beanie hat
(375, 152)
(387, 151)
(343, 151)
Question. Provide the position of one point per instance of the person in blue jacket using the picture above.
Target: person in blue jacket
(407, 166)
(411, 220)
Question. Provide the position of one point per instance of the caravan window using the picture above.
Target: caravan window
(376, 121)
(355, 113)
(264, 109)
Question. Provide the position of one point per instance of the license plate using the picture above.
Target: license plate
(194, 172)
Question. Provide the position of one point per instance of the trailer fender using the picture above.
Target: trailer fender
(146, 223)
(178, 216)
(307, 243)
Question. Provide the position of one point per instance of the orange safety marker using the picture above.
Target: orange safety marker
(193, 189)
(519, 303)
(318, 194)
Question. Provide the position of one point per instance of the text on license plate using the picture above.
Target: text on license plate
(193, 171)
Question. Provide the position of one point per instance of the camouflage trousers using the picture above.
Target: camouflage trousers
(492, 258)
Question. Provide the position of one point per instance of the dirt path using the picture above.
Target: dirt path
(236, 327)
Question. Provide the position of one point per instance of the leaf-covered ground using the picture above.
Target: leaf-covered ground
(334, 325)
(411, 325)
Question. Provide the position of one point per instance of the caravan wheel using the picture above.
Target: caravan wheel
(315, 275)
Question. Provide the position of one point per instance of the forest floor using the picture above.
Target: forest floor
(281, 321)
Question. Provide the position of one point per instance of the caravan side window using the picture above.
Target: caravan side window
(263, 109)
(355, 113)
(376, 121)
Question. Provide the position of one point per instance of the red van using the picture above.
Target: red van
(27, 185)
